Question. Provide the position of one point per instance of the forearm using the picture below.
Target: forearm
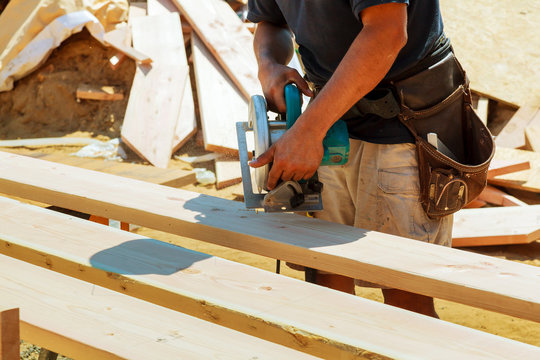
(273, 44)
(365, 64)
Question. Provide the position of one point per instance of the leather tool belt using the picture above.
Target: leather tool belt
(437, 100)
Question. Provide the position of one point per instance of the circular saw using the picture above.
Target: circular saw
(304, 195)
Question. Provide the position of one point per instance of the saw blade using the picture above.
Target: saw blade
(258, 120)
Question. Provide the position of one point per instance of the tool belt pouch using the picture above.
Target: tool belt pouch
(456, 173)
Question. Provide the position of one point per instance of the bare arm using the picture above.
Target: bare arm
(274, 49)
(298, 153)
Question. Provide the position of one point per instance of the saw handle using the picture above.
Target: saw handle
(336, 141)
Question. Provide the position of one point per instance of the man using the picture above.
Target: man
(350, 47)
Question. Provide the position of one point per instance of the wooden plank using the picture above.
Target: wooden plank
(512, 135)
(136, 9)
(496, 226)
(224, 34)
(174, 177)
(380, 258)
(495, 196)
(221, 105)
(523, 180)
(187, 121)
(304, 316)
(500, 167)
(115, 38)
(96, 92)
(84, 321)
(532, 138)
(9, 331)
(227, 173)
(156, 94)
(37, 142)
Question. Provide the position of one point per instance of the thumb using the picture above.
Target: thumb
(264, 158)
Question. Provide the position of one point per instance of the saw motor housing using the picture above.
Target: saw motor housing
(288, 196)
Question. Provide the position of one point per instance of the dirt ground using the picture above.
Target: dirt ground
(44, 105)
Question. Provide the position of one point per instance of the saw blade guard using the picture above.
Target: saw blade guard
(258, 121)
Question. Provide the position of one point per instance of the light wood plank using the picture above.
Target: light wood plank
(156, 94)
(532, 138)
(37, 142)
(9, 331)
(304, 316)
(136, 9)
(495, 196)
(187, 122)
(221, 105)
(380, 258)
(222, 31)
(115, 38)
(500, 167)
(227, 173)
(174, 177)
(523, 180)
(496, 226)
(84, 321)
(512, 135)
(95, 92)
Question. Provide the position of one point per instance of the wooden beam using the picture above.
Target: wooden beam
(501, 167)
(224, 34)
(380, 258)
(495, 196)
(307, 317)
(95, 92)
(9, 331)
(512, 135)
(227, 173)
(85, 321)
(156, 94)
(186, 125)
(174, 177)
(38, 142)
(115, 38)
(523, 180)
(221, 105)
(532, 138)
(496, 226)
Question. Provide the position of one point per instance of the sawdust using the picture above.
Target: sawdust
(44, 104)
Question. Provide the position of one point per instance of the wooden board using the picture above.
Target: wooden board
(496, 226)
(304, 316)
(9, 331)
(95, 92)
(115, 38)
(500, 167)
(227, 173)
(495, 196)
(221, 105)
(393, 261)
(187, 122)
(513, 133)
(157, 91)
(37, 142)
(532, 138)
(523, 180)
(84, 321)
(490, 40)
(228, 40)
(174, 177)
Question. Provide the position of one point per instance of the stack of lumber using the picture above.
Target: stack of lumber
(160, 116)
(113, 294)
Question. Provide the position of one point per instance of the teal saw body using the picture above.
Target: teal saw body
(302, 195)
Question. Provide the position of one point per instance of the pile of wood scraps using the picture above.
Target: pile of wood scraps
(513, 180)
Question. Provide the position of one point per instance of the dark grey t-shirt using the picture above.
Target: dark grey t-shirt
(324, 30)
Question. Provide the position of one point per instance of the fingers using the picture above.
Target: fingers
(264, 158)
(301, 83)
(275, 94)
